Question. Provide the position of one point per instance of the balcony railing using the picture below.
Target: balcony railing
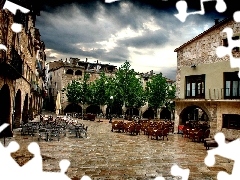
(219, 94)
(12, 68)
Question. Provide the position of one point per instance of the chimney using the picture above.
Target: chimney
(216, 21)
(86, 59)
(97, 61)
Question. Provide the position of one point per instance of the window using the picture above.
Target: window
(231, 121)
(195, 86)
(231, 85)
(78, 72)
(69, 71)
(225, 43)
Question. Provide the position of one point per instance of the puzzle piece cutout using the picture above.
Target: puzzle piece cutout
(111, 1)
(177, 171)
(236, 16)
(16, 27)
(222, 51)
(12, 7)
(227, 150)
(182, 9)
(33, 168)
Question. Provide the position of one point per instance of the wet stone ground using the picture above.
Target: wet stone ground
(111, 155)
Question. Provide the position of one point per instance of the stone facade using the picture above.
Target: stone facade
(61, 73)
(20, 73)
(198, 57)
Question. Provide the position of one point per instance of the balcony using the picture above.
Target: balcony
(12, 68)
(216, 94)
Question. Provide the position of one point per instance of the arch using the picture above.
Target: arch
(132, 112)
(5, 110)
(93, 109)
(149, 113)
(25, 113)
(114, 109)
(78, 72)
(17, 110)
(165, 114)
(69, 71)
(193, 113)
(73, 108)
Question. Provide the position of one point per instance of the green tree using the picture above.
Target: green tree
(85, 94)
(99, 91)
(157, 91)
(73, 92)
(171, 95)
(129, 88)
(78, 90)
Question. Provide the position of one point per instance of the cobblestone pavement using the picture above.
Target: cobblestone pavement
(112, 155)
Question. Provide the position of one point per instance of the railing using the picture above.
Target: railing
(217, 94)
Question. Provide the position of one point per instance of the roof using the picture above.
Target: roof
(205, 32)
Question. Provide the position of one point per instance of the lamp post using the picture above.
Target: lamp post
(110, 116)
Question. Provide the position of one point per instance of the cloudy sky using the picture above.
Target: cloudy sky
(143, 32)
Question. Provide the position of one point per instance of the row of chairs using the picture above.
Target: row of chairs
(48, 130)
(196, 134)
(155, 130)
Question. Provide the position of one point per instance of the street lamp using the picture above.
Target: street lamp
(110, 118)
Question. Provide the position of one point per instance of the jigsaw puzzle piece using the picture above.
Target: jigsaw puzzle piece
(227, 150)
(12, 7)
(222, 51)
(221, 6)
(177, 171)
(2, 46)
(236, 16)
(85, 177)
(110, 1)
(181, 6)
(36, 162)
(159, 178)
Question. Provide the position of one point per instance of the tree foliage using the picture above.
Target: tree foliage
(98, 90)
(129, 87)
(156, 90)
(78, 90)
(73, 91)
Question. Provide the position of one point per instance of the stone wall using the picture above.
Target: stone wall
(203, 50)
(23, 43)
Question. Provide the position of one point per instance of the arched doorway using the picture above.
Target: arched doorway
(149, 113)
(165, 114)
(115, 109)
(93, 109)
(25, 113)
(193, 113)
(5, 105)
(132, 112)
(73, 108)
(17, 109)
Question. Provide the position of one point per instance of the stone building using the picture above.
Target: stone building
(208, 89)
(60, 73)
(21, 67)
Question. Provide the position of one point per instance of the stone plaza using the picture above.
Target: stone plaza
(113, 155)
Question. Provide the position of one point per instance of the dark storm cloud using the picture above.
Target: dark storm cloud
(150, 39)
(77, 28)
